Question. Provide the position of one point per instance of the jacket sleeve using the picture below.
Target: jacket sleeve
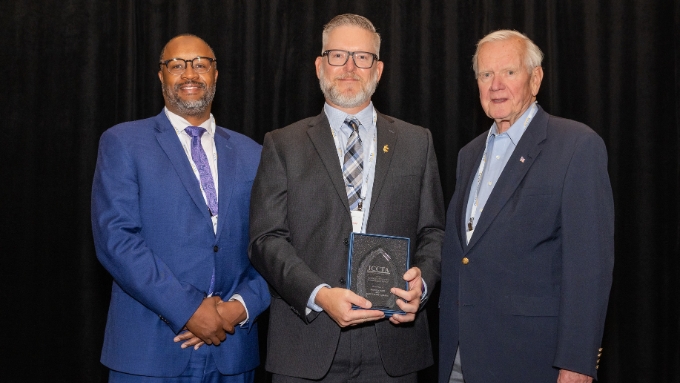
(271, 251)
(430, 233)
(587, 256)
(121, 249)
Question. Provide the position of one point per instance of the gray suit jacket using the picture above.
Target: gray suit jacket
(300, 224)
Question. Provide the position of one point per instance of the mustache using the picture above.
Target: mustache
(192, 83)
(345, 76)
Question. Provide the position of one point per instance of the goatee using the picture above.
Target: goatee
(189, 107)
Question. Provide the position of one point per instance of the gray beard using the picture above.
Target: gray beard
(188, 107)
(331, 92)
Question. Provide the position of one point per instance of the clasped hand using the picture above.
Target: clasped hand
(211, 323)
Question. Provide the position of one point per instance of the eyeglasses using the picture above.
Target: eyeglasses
(178, 66)
(363, 60)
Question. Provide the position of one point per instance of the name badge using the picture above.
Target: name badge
(357, 220)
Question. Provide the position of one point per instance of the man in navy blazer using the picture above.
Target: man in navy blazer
(529, 245)
(170, 217)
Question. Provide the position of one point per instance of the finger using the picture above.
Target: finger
(198, 345)
(412, 274)
(358, 300)
(191, 342)
(408, 296)
(409, 307)
(218, 338)
(362, 316)
(183, 336)
(400, 318)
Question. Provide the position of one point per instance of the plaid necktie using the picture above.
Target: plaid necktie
(354, 165)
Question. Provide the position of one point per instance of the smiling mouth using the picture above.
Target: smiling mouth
(190, 86)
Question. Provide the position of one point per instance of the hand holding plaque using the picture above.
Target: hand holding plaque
(376, 265)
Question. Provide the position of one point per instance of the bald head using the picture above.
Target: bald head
(184, 38)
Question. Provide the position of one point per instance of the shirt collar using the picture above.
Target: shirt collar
(336, 117)
(179, 123)
(517, 129)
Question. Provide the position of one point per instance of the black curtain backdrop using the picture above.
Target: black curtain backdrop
(73, 68)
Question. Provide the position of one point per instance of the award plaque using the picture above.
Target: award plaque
(376, 264)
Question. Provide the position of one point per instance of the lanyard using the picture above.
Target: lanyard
(480, 172)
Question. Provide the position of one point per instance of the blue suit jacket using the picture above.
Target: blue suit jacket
(153, 233)
(531, 296)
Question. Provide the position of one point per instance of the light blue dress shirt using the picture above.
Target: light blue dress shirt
(499, 148)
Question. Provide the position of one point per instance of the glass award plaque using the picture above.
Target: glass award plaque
(376, 264)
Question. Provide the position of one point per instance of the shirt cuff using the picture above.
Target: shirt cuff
(310, 302)
(237, 297)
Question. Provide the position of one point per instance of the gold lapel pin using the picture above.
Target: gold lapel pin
(386, 148)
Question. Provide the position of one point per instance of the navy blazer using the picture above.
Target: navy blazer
(528, 295)
(153, 233)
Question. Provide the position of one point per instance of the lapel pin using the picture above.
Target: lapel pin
(521, 159)
(386, 148)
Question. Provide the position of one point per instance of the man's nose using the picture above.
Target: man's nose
(189, 72)
(350, 65)
(497, 83)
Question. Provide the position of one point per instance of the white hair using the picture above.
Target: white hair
(532, 54)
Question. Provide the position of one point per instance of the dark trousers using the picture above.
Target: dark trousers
(357, 360)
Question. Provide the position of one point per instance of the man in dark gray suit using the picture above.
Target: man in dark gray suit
(348, 169)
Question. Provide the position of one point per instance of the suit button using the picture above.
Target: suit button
(466, 261)
(345, 241)
(215, 248)
(342, 281)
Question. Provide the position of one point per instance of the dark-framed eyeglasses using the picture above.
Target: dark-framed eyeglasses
(178, 66)
(363, 60)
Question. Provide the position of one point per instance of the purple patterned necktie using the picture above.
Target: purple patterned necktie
(354, 165)
(201, 162)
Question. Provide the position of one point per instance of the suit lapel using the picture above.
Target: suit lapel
(167, 139)
(319, 133)
(226, 168)
(387, 143)
(529, 148)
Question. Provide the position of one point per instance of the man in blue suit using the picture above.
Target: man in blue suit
(170, 217)
(529, 246)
